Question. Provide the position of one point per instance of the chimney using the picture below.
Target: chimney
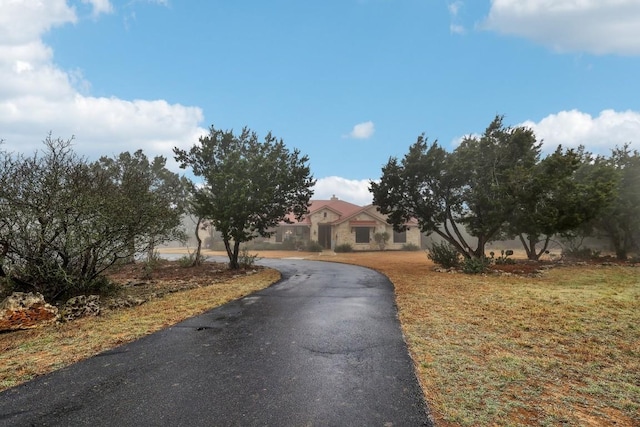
(334, 197)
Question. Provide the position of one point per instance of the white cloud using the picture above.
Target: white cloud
(37, 97)
(25, 21)
(598, 134)
(593, 26)
(454, 7)
(457, 29)
(99, 6)
(573, 128)
(350, 190)
(362, 130)
(454, 11)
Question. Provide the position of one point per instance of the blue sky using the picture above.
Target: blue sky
(348, 82)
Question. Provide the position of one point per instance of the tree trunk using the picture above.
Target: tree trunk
(525, 246)
(5, 251)
(151, 250)
(196, 260)
(466, 251)
(618, 241)
(131, 258)
(232, 253)
(544, 247)
(482, 242)
(453, 242)
(530, 244)
(236, 251)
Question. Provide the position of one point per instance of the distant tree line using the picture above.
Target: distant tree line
(498, 186)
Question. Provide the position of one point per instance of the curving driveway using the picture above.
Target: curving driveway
(322, 347)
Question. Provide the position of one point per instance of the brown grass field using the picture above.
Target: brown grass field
(561, 349)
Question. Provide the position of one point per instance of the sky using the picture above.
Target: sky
(349, 83)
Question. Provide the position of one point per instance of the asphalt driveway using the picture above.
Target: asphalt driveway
(323, 347)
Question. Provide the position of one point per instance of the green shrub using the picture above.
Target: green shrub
(153, 259)
(189, 260)
(444, 255)
(503, 258)
(101, 285)
(381, 239)
(246, 259)
(150, 262)
(410, 247)
(6, 287)
(345, 247)
(314, 246)
(475, 265)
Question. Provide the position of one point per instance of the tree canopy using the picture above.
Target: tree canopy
(153, 199)
(620, 221)
(563, 191)
(249, 185)
(63, 220)
(493, 186)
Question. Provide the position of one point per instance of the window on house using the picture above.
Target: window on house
(279, 234)
(324, 214)
(400, 237)
(362, 234)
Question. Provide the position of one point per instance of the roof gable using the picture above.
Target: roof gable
(364, 210)
(340, 207)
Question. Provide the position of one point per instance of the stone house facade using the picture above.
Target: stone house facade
(335, 222)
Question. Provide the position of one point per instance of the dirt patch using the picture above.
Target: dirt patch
(523, 268)
(163, 276)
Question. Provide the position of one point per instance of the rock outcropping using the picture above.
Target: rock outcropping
(25, 310)
(81, 306)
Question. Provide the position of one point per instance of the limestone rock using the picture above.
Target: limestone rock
(25, 310)
(125, 302)
(81, 306)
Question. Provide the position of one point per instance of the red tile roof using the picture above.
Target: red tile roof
(342, 208)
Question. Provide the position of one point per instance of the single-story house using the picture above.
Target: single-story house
(335, 222)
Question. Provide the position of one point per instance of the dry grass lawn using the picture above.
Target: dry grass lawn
(561, 349)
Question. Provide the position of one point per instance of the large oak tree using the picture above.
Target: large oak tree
(493, 186)
(466, 190)
(248, 186)
(565, 190)
(620, 222)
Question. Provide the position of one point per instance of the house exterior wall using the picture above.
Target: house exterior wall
(322, 216)
(412, 234)
(343, 232)
(346, 235)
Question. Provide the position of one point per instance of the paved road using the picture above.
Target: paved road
(323, 347)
